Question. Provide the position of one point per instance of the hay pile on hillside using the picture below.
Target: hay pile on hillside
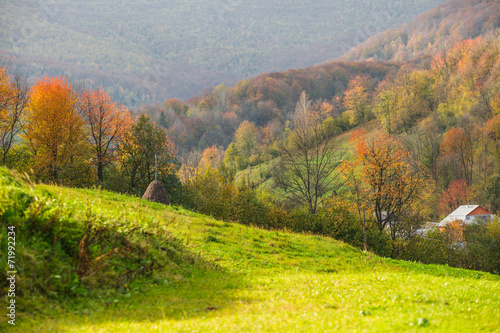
(156, 192)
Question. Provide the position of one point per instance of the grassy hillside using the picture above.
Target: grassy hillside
(431, 32)
(153, 49)
(246, 279)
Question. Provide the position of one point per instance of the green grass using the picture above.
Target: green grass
(267, 281)
(255, 174)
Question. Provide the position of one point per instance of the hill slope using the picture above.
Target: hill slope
(155, 49)
(431, 32)
(256, 280)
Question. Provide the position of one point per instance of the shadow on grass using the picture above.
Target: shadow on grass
(179, 292)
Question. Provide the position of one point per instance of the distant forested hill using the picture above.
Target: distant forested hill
(149, 50)
(431, 32)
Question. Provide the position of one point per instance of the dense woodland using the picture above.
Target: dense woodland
(430, 105)
(150, 50)
(431, 32)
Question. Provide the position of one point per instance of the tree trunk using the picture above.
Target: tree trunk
(54, 167)
(100, 172)
(249, 172)
(364, 230)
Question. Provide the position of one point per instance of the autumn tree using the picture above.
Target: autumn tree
(5, 90)
(385, 180)
(232, 158)
(220, 96)
(55, 129)
(176, 105)
(145, 150)
(106, 123)
(246, 139)
(457, 194)
(211, 157)
(6, 95)
(357, 100)
(424, 143)
(385, 109)
(458, 151)
(492, 129)
(308, 159)
(189, 163)
(12, 111)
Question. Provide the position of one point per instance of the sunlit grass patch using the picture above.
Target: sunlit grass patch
(255, 280)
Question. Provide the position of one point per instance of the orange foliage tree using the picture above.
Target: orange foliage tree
(383, 179)
(55, 130)
(211, 157)
(5, 100)
(246, 139)
(106, 123)
(458, 193)
(5, 91)
(457, 148)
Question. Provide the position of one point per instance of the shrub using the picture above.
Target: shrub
(478, 247)
(208, 192)
(249, 210)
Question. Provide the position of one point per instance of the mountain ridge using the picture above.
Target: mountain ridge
(430, 32)
(179, 48)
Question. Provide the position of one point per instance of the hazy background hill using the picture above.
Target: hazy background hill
(146, 51)
(433, 31)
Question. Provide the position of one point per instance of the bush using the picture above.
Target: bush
(208, 192)
(478, 250)
(483, 245)
(249, 210)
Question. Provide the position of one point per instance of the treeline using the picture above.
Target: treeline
(442, 109)
(214, 117)
(79, 137)
(131, 46)
(435, 149)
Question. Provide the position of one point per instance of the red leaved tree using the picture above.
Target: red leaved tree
(458, 193)
(106, 123)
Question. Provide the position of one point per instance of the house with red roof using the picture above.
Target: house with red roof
(468, 214)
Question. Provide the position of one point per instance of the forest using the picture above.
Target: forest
(147, 51)
(431, 32)
(350, 150)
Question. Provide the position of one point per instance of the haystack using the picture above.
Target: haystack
(156, 192)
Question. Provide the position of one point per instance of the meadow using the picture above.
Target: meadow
(246, 279)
